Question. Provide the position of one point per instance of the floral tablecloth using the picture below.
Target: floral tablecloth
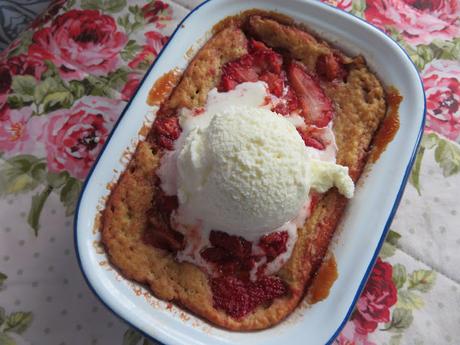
(66, 79)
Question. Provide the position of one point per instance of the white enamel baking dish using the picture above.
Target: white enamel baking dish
(362, 230)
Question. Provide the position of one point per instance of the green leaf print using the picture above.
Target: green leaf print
(132, 21)
(44, 88)
(130, 50)
(447, 155)
(57, 180)
(69, 195)
(422, 280)
(399, 275)
(131, 337)
(25, 40)
(24, 86)
(358, 7)
(6, 340)
(387, 250)
(393, 237)
(18, 322)
(112, 6)
(3, 277)
(38, 201)
(389, 246)
(20, 174)
(77, 88)
(395, 339)
(401, 319)
(57, 100)
(414, 178)
(409, 300)
(2, 316)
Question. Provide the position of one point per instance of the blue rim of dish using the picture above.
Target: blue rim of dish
(385, 229)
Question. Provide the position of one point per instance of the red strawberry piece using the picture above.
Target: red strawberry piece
(227, 83)
(166, 204)
(167, 129)
(237, 72)
(239, 297)
(275, 83)
(271, 287)
(330, 67)
(255, 45)
(289, 103)
(231, 295)
(274, 244)
(215, 255)
(315, 106)
(268, 60)
(236, 245)
(310, 139)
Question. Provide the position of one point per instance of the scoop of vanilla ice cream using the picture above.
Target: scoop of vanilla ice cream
(246, 173)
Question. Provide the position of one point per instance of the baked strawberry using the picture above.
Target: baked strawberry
(237, 72)
(240, 297)
(255, 45)
(275, 83)
(315, 106)
(274, 244)
(166, 129)
(267, 60)
(215, 255)
(313, 137)
(235, 245)
(288, 104)
(330, 67)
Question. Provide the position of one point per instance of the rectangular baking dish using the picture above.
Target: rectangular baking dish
(362, 230)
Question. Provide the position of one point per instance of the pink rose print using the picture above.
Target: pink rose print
(15, 134)
(155, 41)
(73, 137)
(80, 42)
(349, 336)
(130, 86)
(342, 4)
(419, 21)
(442, 88)
(156, 12)
(376, 299)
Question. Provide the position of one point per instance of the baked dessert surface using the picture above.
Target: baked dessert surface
(359, 104)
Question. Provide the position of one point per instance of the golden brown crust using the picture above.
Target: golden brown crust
(300, 44)
(359, 105)
(205, 69)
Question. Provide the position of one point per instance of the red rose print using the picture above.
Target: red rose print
(442, 88)
(349, 336)
(15, 136)
(378, 296)
(342, 4)
(80, 42)
(18, 65)
(419, 21)
(130, 86)
(73, 137)
(156, 11)
(5, 83)
(26, 65)
(155, 42)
